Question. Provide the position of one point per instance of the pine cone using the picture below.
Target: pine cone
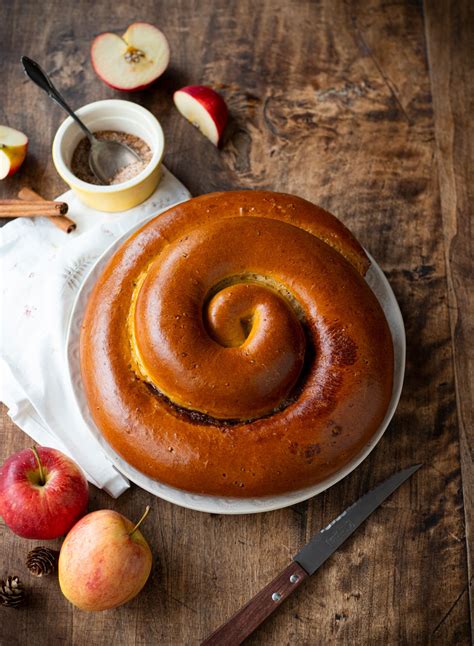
(41, 561)
(12, 593)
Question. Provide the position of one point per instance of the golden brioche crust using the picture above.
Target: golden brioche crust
(232, 347)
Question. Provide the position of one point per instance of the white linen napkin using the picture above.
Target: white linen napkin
(42, 269)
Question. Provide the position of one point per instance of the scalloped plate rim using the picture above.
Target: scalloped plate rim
(217, 504)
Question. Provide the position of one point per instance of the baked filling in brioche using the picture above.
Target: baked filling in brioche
(232, 347)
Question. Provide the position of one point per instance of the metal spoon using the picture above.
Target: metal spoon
(106, 158)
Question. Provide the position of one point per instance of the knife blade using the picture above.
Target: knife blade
(305, 563)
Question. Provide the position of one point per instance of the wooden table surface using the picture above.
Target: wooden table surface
(365, 108)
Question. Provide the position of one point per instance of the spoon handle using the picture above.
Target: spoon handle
(42, 80)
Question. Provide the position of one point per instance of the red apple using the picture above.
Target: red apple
(204, 108)
(42, 493)
(132, 61)
(104, 561)
(13, 147)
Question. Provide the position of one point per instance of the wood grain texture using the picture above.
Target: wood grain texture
(450, 38)
(333, 101)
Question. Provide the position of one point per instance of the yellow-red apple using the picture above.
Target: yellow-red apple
(13, 147)
(104, 561)
(132, 61)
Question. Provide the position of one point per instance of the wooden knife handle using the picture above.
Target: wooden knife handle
(250, 616)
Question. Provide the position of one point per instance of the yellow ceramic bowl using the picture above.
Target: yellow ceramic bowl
(123, 116)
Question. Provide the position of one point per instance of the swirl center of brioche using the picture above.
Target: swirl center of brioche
(210, 337)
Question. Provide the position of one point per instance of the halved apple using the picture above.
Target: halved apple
(204, 108)
(13, 147)
(132, 61)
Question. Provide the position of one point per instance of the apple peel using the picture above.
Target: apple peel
(204, 108)
(43, 493)
(104, 561)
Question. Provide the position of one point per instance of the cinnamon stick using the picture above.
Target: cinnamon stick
(22, 209)
(66, 224)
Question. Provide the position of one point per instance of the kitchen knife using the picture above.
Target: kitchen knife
(305, 563)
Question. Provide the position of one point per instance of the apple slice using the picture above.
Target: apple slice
(132, 61)
(204, 108)
(13, 146)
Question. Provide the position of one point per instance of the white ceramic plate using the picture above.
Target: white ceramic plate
(214, 504)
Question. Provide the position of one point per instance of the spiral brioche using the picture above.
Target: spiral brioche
(232, 347)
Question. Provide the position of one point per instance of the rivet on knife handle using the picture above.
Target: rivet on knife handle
(250, 616)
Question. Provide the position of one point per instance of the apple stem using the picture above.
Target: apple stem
(40, 466)
(144, 515)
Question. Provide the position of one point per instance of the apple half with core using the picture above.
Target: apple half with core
(204, 108)
(13, 147)
(132, 61)
(104, 561)
(42, 493)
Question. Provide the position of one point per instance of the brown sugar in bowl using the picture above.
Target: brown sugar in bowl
(231, 347)
(119, 116)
